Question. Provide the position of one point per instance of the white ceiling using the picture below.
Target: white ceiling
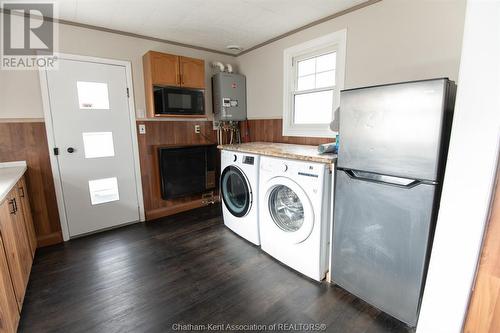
(212, 24)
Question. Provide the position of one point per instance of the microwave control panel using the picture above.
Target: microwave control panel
(229, 97)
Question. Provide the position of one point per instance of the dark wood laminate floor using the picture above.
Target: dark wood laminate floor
(186, 269)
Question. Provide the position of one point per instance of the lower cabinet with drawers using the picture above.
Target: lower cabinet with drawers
(17, 249)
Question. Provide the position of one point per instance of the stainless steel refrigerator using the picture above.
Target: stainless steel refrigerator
(393, 146)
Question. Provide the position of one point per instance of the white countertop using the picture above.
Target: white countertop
(10, 173)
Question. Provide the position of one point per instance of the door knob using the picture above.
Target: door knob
(71, 150)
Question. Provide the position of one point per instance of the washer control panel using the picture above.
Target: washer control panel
(248, 160)
(292, 168)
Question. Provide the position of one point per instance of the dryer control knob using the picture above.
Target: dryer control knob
(284, 167)
(235, 158)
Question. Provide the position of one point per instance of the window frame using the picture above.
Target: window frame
(332, 42)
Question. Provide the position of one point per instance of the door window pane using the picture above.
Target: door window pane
(313, 108)
(103, 190)
(286, 208)
(92, 95)
(98, 144)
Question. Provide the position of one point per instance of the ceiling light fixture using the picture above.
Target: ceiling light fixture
(234, 48)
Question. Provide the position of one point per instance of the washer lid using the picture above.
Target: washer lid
(290, 209)
(236, 191)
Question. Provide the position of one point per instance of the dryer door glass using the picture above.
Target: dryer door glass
(235, 191)
(286, 208)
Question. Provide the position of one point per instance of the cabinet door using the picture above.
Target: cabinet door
(9, 313)
(28, 217)
(16, 245)
(192, 72)
(164, 69)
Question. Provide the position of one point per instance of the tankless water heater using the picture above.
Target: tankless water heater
(229, 97)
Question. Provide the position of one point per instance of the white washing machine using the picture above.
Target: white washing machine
(294, 213)
(239, 183)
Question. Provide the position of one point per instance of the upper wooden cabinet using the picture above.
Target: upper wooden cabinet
(162, 69)
(172, 70)
(192, 72)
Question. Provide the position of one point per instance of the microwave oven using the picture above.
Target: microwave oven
(178, 101)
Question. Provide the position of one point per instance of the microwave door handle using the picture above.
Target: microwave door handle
(165, 101)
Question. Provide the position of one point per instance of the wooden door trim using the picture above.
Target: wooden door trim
(483, 301)
(42, 74)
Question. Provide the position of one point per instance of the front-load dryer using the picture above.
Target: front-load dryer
(239, 183)
(294, 213)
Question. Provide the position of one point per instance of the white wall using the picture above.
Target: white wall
(470, 174)
(20, 90)
(393, 40)
(390, 41)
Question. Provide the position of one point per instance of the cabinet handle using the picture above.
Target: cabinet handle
(22, 192)
(13, 206)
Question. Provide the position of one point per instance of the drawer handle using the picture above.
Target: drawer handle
(12, 203)
(22, 192)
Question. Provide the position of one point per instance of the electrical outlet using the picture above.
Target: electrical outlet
(197, 129)
(142, 128)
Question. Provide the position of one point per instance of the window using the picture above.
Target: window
(98, 144)
(92, 95)
(313, 78)
(103, 190)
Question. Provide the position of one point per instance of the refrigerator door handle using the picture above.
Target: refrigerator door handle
(383, 179)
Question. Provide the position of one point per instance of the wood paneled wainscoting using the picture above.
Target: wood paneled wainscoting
(271, 130)
(27, 141)
(167, 133)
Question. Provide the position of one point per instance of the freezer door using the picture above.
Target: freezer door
(393, 129)
(380, 238)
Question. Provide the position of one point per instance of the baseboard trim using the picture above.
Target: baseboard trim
(22, 120)
(167, 211)
(50, 239)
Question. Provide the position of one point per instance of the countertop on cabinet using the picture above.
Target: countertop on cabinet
(10, 173)
(283, 150)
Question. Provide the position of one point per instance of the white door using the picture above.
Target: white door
(92, 130)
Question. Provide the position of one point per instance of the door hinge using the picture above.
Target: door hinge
(128, 94)
(56, 151)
